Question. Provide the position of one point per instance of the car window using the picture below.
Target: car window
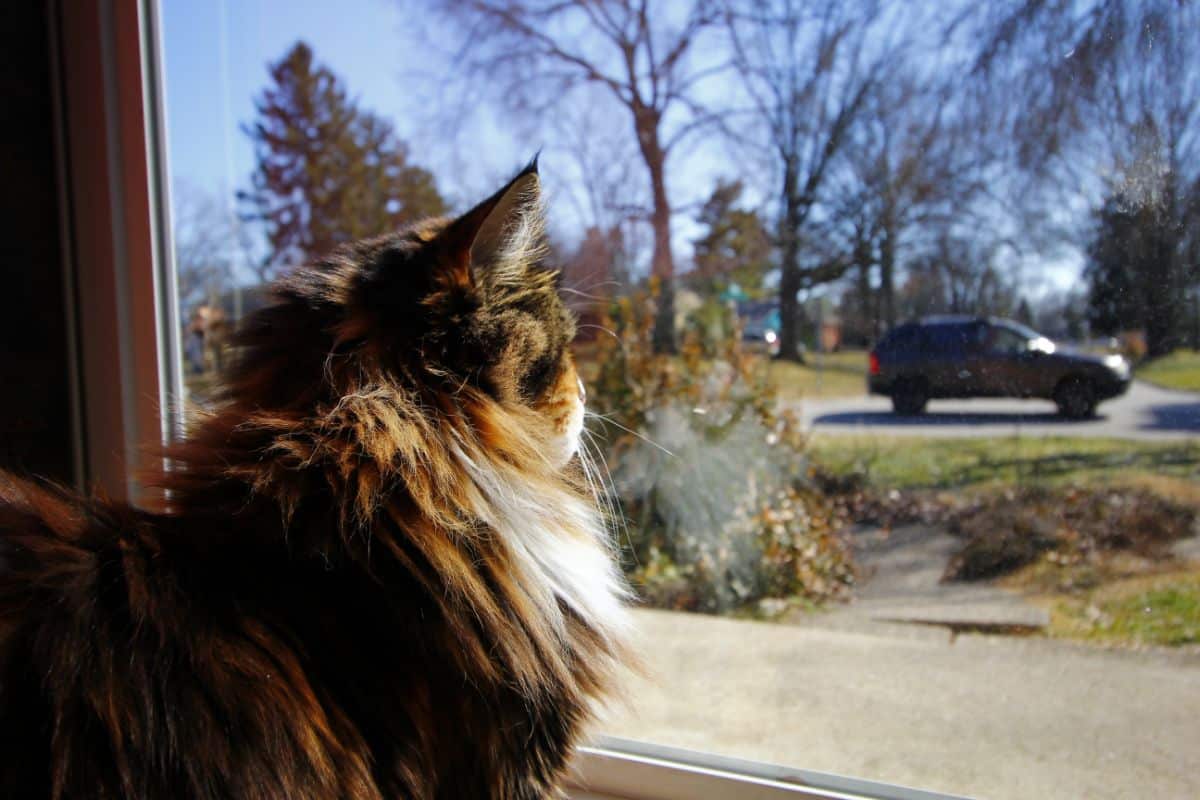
(1007, 341)
(1021, 330)
(946, 339)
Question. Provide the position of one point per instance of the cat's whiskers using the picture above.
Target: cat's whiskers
(600, 328)
(596, 465)
(607, 418)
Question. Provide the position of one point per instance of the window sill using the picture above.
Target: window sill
(621, 769)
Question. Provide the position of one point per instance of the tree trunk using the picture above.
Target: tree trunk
(662, 265)
(887, 268)
(789, 278)
(868, 310)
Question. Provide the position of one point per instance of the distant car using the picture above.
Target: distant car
(986, 357)
(760, 324)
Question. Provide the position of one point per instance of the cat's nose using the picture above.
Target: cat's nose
(582, 391)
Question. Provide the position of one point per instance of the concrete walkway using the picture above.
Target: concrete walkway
(983, 716)
(901, 582)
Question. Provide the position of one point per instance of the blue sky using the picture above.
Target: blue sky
(216, 54)
(216, 63)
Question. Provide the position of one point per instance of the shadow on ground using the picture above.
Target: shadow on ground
(1174, 417)
(1182, 459)
(887, 418)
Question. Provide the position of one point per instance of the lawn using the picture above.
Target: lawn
(1144, 610)
(841, 374)
(911, 462)
(1179, 370)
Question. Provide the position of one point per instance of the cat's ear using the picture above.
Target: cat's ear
(501, 235)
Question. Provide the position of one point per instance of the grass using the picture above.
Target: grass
(1179, 370)
(1145, 610)
(911, 462)
(841, 374)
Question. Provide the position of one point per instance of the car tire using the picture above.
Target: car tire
(910, 397)
(1075, 398)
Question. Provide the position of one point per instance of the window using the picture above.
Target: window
(961, 636)
(946, 339)
(1008, 341)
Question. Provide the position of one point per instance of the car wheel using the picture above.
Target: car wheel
(1075, 398)
(910, 397)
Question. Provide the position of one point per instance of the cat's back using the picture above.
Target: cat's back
(118, 679)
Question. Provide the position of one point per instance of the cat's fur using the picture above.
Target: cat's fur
(373, 573)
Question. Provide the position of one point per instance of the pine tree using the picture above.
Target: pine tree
(1133, 275)
(327, 171)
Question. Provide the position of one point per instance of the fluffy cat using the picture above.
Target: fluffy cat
(373, 571)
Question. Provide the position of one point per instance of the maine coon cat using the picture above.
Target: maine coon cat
(373, 572)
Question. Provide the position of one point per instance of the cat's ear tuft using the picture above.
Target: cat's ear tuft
(501, 235)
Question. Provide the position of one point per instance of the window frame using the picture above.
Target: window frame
(113, 179)
(634, 770)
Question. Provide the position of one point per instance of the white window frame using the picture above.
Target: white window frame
(631, 770)
(125, 341)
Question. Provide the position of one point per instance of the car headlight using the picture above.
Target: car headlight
(1118, 365)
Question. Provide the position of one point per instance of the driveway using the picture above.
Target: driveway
(1144, 412)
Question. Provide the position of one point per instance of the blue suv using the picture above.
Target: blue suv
(987, 357)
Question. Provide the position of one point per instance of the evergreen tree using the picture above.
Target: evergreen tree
(736, 246)
(327, 171)
(1133, 274)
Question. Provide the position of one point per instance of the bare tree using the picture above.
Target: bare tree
(914, 171)
(809, 69)
(204, 240)
(634, 51)
(1102, 99)
(606, 193)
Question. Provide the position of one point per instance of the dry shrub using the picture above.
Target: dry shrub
(710, 477)
(863, 504)
(1068, 527)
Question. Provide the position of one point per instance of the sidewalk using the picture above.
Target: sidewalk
(901, 582)
(983, 716)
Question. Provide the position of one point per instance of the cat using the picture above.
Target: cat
(373, 570)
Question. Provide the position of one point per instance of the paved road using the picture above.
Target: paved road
(1144, 412)
(982, 716)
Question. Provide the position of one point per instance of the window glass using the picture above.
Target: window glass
(1008, 341)
(946, 339)
(978, 576)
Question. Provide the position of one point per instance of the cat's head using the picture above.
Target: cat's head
(443, 308)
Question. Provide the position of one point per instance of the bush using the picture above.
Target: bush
(1069, 527)
(710, 477)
